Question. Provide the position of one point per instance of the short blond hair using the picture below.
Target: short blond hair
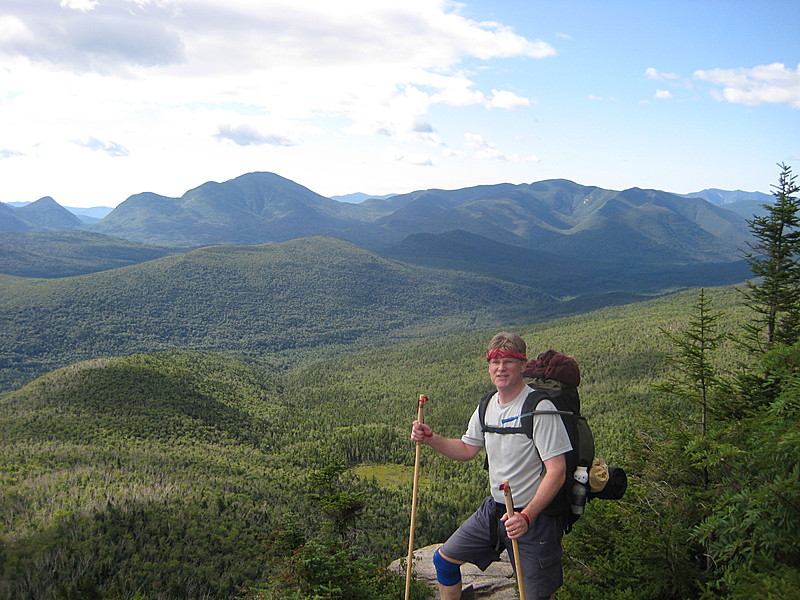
(507, 341)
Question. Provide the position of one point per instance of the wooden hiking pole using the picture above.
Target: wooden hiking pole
(514, 545)
(421, 401)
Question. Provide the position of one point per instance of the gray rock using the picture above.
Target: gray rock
(495, 583)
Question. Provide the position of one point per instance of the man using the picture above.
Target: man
(535, 469)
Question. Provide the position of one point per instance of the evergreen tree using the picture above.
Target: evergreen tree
(774, 258)
(689, 438)
(693, 376)
(332, 497)
(753, 529)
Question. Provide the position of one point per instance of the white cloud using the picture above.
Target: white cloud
(765, 84)
(413, 158)
(672, 80)
(82, 37)
(420, 126)
(596, 98)
(381, 65)
(487, 150)
(455, 153)
(110, 148)
(13, 30)
(170, 78)
(6, 153)
(245, 135)
(483, 148)
(81, 5)
(505, 99)
(663, 95)
(652, 73)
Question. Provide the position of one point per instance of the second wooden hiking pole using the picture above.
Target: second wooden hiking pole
(421, 401)
(514, 545)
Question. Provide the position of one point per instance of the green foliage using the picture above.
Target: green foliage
(774, 258)
(68, 253)
(144, 474)
(328, 566)
(184, 474)
(632, 549)
(257, 300)
(712, 510)
(339, 505)
(322, 570)
(754, 527)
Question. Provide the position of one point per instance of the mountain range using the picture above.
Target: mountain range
(560, 215)
(556, 236)
(742, 203)
(557, 215)
(43, 215)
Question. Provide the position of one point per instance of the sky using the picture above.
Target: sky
(103, 99)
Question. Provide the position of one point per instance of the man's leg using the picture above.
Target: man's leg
(450, 592)
(541, 553)
(471, 543)
(448, 576)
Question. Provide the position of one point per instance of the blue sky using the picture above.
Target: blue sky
(102, 99)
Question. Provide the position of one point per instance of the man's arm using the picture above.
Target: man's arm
(449, 447)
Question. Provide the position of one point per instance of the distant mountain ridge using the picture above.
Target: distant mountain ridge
(264, 207)
(569, 219)
(85, 214)
(43, 215)
(251, 209)
(606, 241)
(746, 204)
(359, 197)
(718, 196)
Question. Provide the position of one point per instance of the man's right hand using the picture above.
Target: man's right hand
(420, 432)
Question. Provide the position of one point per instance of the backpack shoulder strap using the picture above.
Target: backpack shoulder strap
(522, 425)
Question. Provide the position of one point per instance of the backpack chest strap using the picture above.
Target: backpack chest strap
(502, 430)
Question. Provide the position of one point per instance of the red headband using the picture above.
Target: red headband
(505, 354)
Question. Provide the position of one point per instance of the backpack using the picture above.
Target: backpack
(570, 500)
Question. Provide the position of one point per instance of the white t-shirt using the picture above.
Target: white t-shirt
(517, 458)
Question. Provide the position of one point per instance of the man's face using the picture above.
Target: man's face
(506, 373)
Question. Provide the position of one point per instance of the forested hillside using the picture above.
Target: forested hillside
(251, 299)
(310, 292)
(187, 475)
(565, 274)
(68, 253)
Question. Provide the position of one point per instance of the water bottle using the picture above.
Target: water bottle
(579, 491)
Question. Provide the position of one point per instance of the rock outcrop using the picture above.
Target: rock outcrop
(495, 583)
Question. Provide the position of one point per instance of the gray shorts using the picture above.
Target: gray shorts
(540, 548)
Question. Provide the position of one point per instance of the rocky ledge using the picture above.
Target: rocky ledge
(495, 583)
